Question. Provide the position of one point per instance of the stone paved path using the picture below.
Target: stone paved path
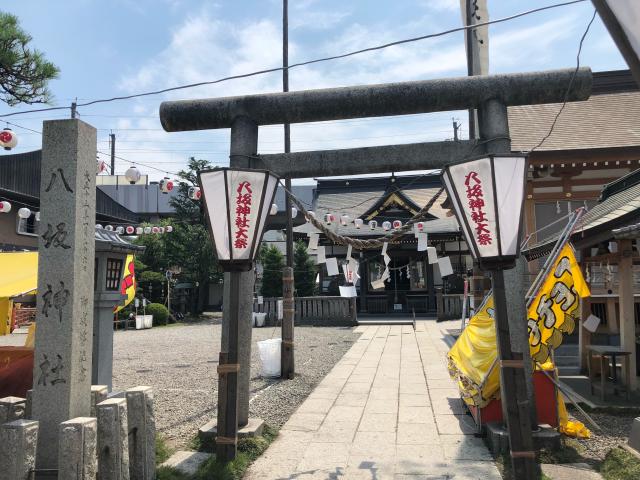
(387, 410)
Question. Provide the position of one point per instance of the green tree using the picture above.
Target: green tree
(24, 72)
(304, 271)
(272, 262)
(189, 246)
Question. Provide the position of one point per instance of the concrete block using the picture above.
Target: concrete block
(11, 408)
(77, 458)
(19, 439)
(570, 471)
(142, 433)
(185, 462)
(634, 436)
(254, 428)
(113, 440)
(498, 438)
(99, 394)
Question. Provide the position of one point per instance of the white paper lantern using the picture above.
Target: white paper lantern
(130, 230)
(294, 212)
(147, 230)
(373, 224)
(132, 175)
(386, 226)
(419, 226)
(139, 231)
(5, 207)
(344, 220)
(24, 213)
(155, 229)
(8, 139)
(161, 230)
(109, 228)
(358, 222)
(274, 209)
(195, 193)
(168, 229)
(98, 226)
(329, 218)
(310, 214)
(397, 224)
(101, 166)
(120, 230)
(166, 185)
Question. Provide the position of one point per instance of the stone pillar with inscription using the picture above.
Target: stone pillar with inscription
(62, 357)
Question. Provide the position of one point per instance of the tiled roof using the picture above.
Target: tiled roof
(603, 121)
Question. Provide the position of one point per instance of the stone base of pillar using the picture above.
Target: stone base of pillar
(78, 441)
(497, 438)
(22, 436)
(12, 408)
(209, 432)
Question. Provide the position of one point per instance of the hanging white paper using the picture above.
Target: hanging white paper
(260, 299)
(349, 291)
(354, 266)
(386, 258)
(332, 266)
(384, 249)
(377, 284)
(313, 241)
(385, 274)
(349, 252)
(422, 241)
(432, 255)
(444, 264)
(280, 309)
(320, 256)
(591, 323)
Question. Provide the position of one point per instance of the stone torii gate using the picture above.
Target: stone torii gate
(491, 95)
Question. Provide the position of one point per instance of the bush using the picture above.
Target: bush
(159, 312)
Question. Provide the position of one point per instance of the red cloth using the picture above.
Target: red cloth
(17, 377)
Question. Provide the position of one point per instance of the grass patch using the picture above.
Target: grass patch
(620, 465)
(249, 449)
(163, 451)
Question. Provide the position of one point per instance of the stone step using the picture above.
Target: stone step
(187, 462)
(567, 349)
(567, 361)
(568, 371)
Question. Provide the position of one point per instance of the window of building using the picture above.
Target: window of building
(27, 226)
(114, 273)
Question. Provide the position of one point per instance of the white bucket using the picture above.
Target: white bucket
(270, 357)
(260, 319)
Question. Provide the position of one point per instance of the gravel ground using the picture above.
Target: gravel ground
(180, 362)
(615, 431)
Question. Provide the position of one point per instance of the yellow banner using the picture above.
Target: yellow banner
(555, 307)
(128, 284)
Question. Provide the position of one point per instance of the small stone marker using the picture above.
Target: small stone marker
(99, 394)
(634, 436)
(12, 408)
(18, 457)
(62, 357)
(113, 441)
(77, 449)
(142, 433)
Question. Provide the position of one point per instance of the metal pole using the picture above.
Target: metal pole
(287, 352)
(515, 405)
(228, 368)
(112, 137)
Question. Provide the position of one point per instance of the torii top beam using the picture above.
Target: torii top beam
(378, 100)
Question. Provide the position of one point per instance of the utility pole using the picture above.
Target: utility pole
(112, 140)
(456, 126)
(287, 352)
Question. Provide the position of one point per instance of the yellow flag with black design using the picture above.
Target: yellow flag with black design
(555, 307)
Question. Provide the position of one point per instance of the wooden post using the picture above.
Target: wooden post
(228, 368)
(627, 316)
(287, 357)
(515, 403)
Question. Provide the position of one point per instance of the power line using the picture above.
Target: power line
(300, 64)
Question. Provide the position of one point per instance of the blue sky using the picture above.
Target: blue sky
(119, 47)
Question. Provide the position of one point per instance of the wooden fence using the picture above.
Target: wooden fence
(313, 310)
